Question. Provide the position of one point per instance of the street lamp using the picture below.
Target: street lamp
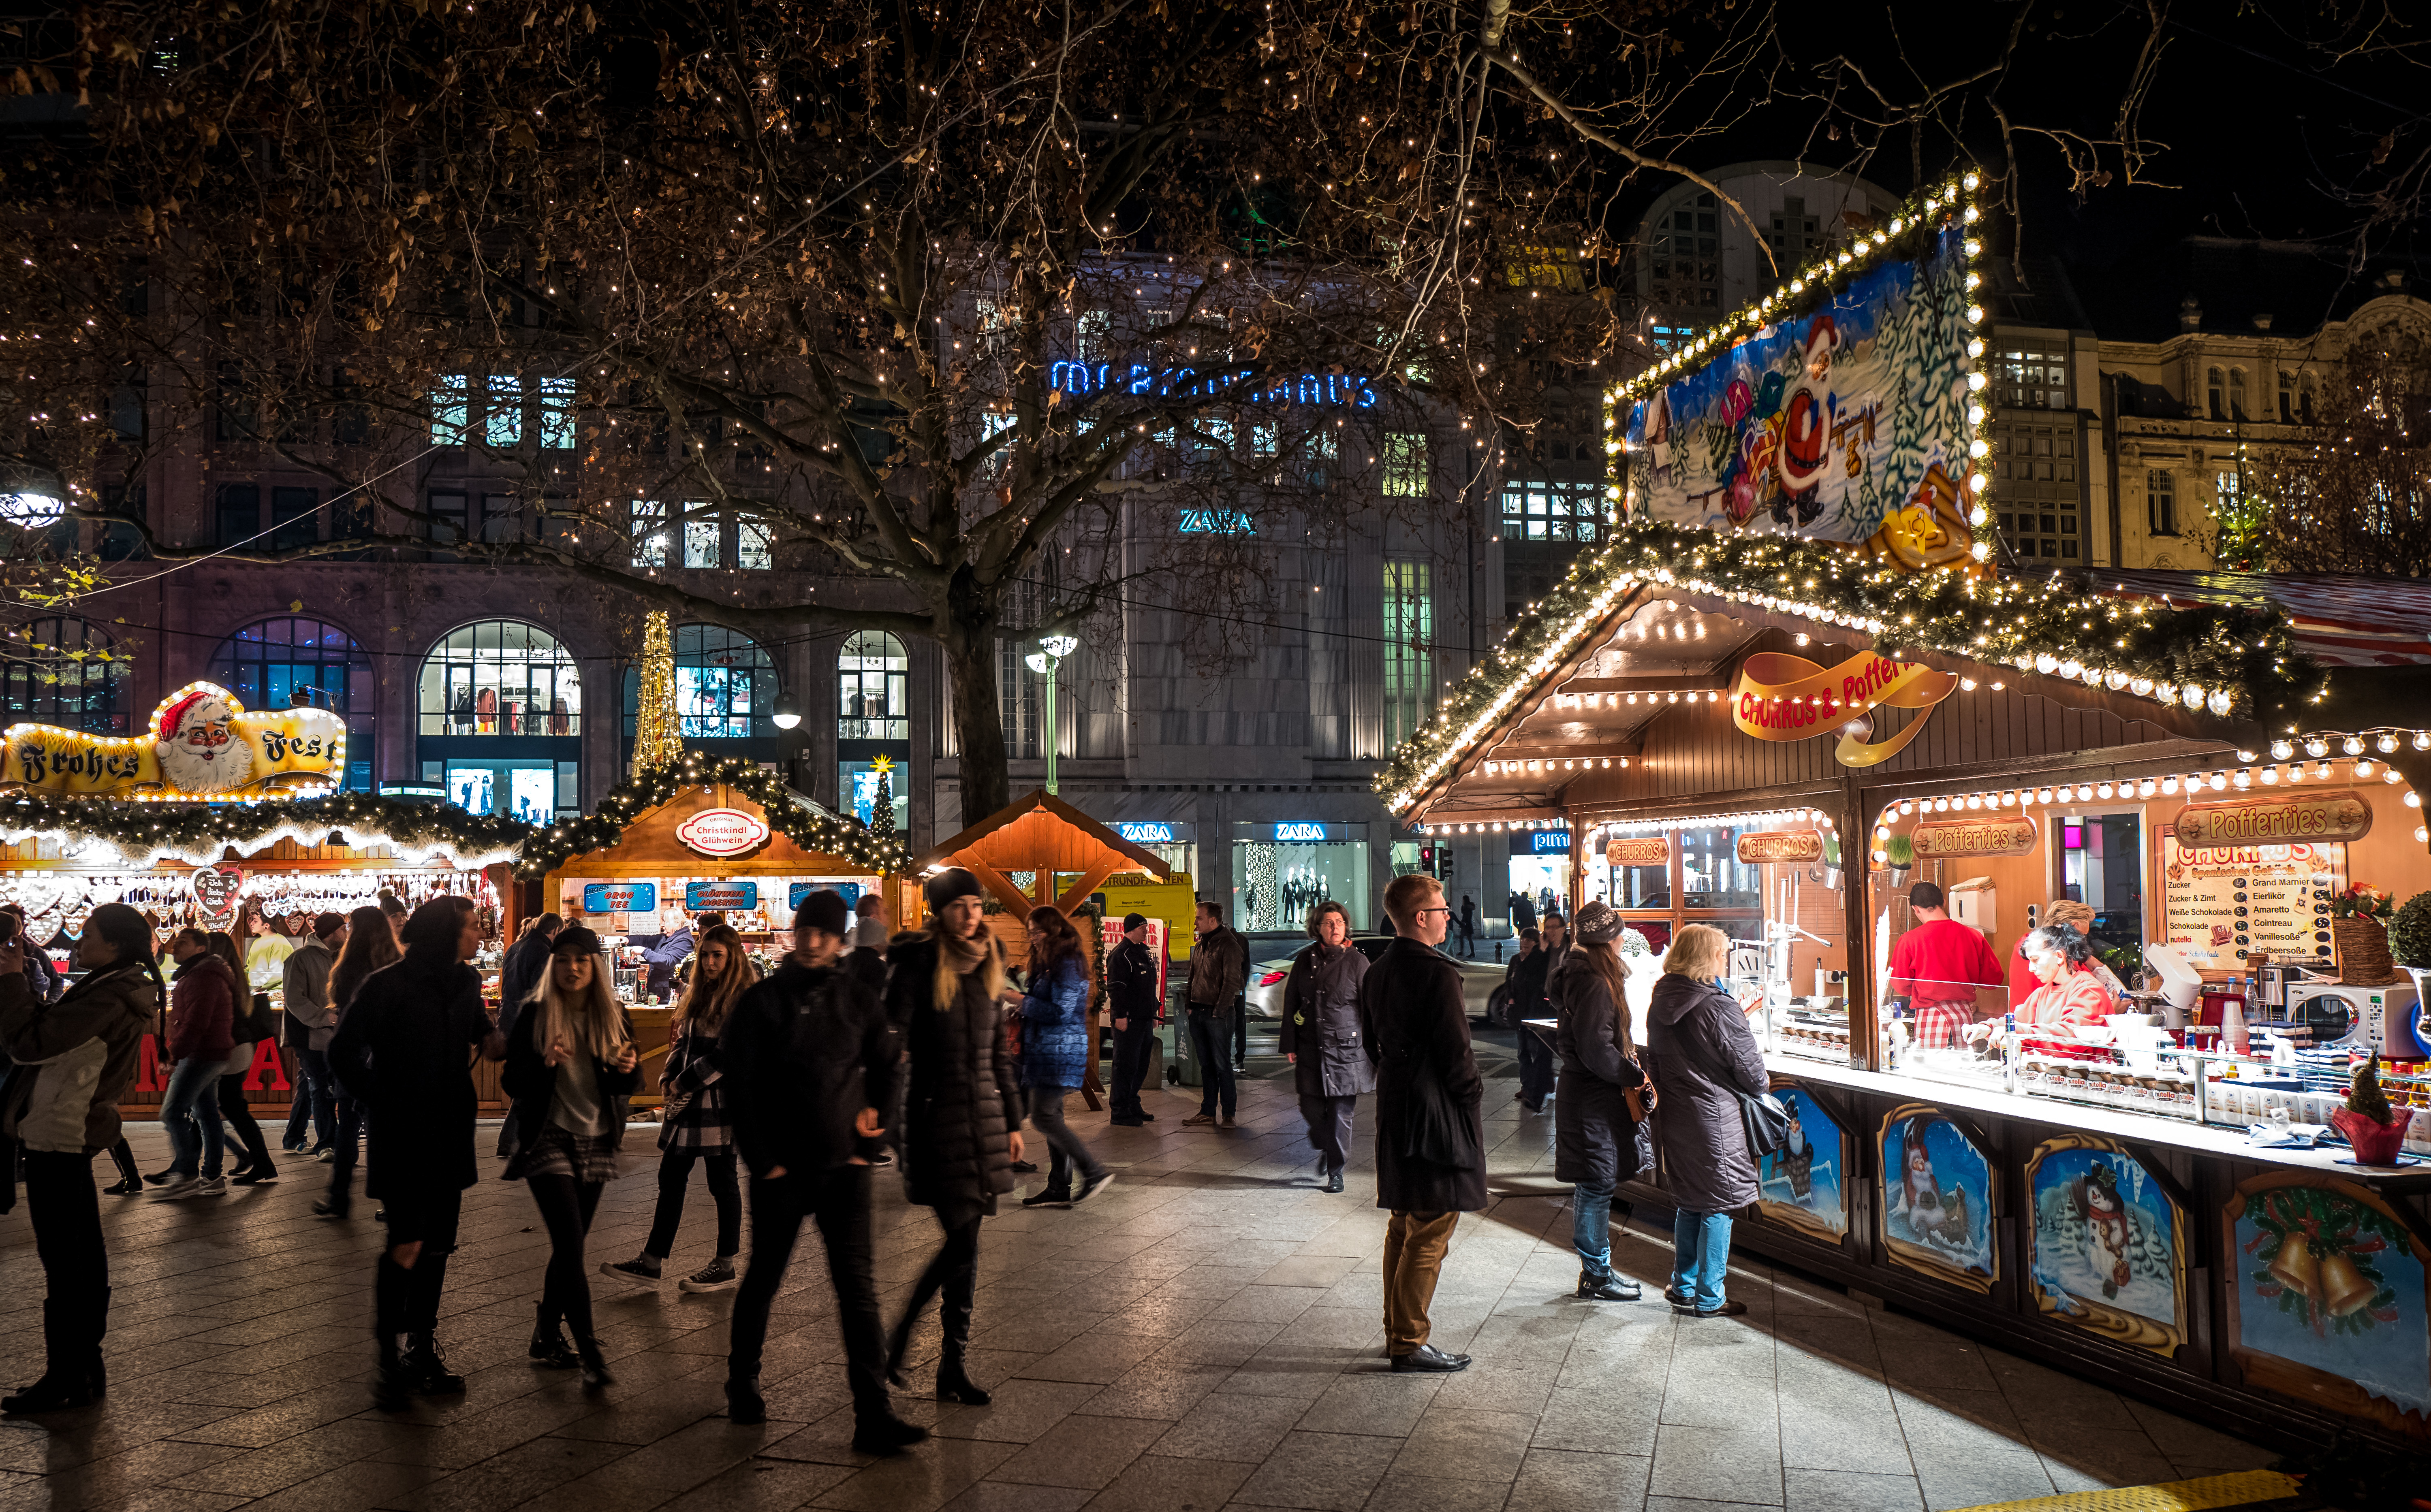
(31, 495)
(1051, 650)
(787, 713)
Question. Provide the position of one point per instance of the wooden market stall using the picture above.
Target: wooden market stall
(1068, 856)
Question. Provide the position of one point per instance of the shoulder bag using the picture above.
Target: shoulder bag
(1764, 1118)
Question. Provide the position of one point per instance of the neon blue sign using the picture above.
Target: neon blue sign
(1077, 378)
(1545, 841)
(1145, 832)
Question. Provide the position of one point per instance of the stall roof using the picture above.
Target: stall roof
(1040, 833)
(2340, 620)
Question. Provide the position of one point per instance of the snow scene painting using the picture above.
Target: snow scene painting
(1936, 1199)
(1801, 1181)
(2107, 1247)
(1842, 424)
(2330, 1297)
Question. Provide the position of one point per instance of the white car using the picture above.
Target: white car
(1264, 992)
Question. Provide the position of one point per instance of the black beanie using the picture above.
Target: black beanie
(824, 910)
(951, 884)
(1132, 920)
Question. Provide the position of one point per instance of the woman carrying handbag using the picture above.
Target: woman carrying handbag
(1704, 1061)
(1599, 1134)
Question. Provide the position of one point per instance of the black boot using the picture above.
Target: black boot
(392, 1391)
(427, 1372)
(898, 1343)
(550, 1348)
(884, 1435)
(745, 1406)
(595, 1365)
(66, 1381)
(954, 1383)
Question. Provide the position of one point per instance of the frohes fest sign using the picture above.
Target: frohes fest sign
(1782, 697)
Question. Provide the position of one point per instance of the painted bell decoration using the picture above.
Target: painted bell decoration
(2343, 1287)
(2294, 1267)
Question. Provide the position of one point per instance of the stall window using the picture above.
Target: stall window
(61, 671)
(2102, 863)
(292, 662)
(1641, 887)
(1711, 874)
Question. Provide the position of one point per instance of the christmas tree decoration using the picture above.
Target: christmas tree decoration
(881, 806)
(813, 829)
(137, 836)
(657, 729)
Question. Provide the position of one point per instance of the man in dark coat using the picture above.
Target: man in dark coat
(1219, 965)
(519, 974)
(1132, 1005)
(1320, 1038)
(807, 1059)
(1531, 997)
(1429, 1100)
(401, 1051)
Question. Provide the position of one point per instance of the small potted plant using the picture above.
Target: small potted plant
(2360, 932)
(2409, 942)
(2377, 1130)
(1900, 852)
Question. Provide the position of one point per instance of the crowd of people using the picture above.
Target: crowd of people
(862, 1049)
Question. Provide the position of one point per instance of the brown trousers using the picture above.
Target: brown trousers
(1414, 1252)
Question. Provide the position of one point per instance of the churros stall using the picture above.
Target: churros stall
(1794, 685)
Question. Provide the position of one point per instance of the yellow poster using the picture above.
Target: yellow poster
(199, 743)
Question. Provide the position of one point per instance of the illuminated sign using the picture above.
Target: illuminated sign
(721, 897)
(1795, 846)
(1545, 841)
(1994, 834)
(1216, 523)
(200, 743)
(1782, 697)
(620, 897)
(215, 887)
(796, 892)
(1638, 849)
(1300, 829)
(2280, 820)
(1146, 831)
(1076, 377)
(723, 832)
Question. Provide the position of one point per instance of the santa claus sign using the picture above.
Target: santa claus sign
(200, 743)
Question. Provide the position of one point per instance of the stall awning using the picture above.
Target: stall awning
(1044, 835)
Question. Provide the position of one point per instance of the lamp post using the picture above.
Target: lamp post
(1051, 651)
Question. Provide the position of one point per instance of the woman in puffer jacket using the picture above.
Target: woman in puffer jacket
(74, 1058)
(1054, 1055)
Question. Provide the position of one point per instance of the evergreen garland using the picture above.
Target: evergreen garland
(199, 831)
(556, 843)
(2232, 661)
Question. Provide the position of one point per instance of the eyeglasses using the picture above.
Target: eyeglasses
(1423, 912)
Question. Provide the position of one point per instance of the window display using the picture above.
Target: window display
(500, 677)
(862, 782)
(1281, 871)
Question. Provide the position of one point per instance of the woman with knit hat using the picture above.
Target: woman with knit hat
(1598, 1141)
(962, 1124)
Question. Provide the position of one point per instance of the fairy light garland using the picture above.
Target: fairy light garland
(144, 834)
(560, 840)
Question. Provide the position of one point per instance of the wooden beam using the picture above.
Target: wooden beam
(996, 882)
(1078, 893)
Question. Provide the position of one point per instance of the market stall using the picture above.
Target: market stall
(216, 811)
(695, 835)
(1781, 736)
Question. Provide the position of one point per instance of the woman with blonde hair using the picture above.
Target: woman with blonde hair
(1598, 1139)
(1703, 1057)
(570, 1069)
(695, 1126)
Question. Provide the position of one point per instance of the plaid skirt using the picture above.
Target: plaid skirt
(588, 1159)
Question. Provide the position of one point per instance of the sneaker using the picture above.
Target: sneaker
(211, 1187)
(717, 1275)
(1197, 1119)
(326, 1156)
(1226, 1122)
(255, 1176)
(1090, 1189)
(162, 1178)
(1047, 1197)
(296, 1149)
(643, 1266)
(178, 1186)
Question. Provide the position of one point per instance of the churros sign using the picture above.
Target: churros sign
(2279, 820)
(1638, 849)
(1782, 697)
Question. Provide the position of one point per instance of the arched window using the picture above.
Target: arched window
(874, 726)
(726, 686)
(2215, 392)
(293, 663)
(55, 673)
(499, 717)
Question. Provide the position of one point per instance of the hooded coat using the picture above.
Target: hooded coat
(202, 1011)
(1055, 1025)
(1695, 1034)
(1596, 1143)
(88, 1043)
(1321, 1021)
(961, 1104)
(1415, 1020)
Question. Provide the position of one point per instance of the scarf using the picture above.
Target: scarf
(957, 959)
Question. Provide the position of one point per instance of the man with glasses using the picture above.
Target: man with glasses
(1430, 1124)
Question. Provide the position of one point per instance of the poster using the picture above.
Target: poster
(2221, 906)
(2328, 1298)
(721, 897)
(2108, 1248)
(1936, 1199)
(1846, 423)
(620, 897)
(1800, 1183)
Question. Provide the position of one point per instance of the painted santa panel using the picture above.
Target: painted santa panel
(1937, 1195)
(200, 743)
(1801, 1181)
(2108, 1248)
(2328, 1298)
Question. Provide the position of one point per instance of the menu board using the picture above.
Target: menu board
(2219, 906)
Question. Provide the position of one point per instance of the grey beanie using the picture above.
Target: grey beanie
(1596, 924)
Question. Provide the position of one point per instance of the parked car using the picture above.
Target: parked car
(1267, 977)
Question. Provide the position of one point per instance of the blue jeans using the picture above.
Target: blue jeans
(1700, 1244)
(1591, 1229)
(190, 1110)
(314, 1099)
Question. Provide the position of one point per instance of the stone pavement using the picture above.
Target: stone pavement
(1205, 1336)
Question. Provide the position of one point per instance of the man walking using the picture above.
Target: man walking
(1320, 1038)
(1429, 1129)
(310, 1024)
(809, 1059)
(1467, 924)
(865, 953)
(1217, 964)
(401, 1051)
(1132, 1003)
(519, 975)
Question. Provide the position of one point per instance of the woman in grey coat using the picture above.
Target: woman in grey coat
(1597, 1143)
(1702, 1056)
(1320, 1037)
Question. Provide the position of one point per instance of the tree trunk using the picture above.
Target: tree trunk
(979, 724)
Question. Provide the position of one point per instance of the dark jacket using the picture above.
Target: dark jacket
(962, 1103)
(1416, 1025)
(1219, 967)
(869, 967)
(802, 1054)
(43, 979)
(519, 977)
(108, 1009)
(304, 986)
(202, 1011)
(1596, 1143)
(1321, 1021)
(1695, 1031)
(531, 1082)
(1055, 1025)
(1526, 978)
(1131, 984)
(403, 1048)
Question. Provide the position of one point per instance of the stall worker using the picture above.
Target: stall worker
(2024, 982)
(1937, 965)
(2073, 992)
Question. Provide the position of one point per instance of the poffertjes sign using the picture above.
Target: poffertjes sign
(2337, 814)
(1782, 697)
(199, 743)
(1994, 834)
